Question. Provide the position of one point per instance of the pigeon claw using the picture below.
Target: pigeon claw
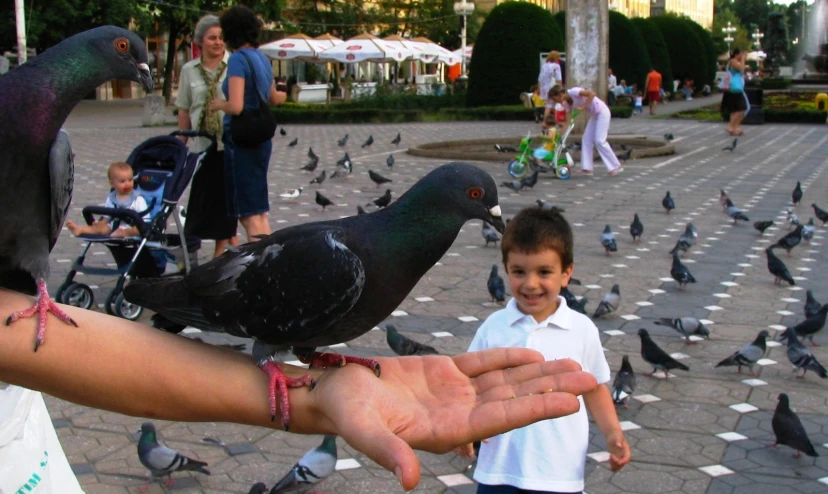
(42, 307)
(278, 380)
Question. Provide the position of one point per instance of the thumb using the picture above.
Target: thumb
(378, 443)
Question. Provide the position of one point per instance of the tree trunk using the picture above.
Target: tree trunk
(172, 37)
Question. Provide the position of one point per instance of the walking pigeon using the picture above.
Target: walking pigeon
(723, 198)
(345, 163)
(291, 194)
(342, 142)
(384, 200)
(732, 146)
(515, 185)
(496, 286)
(820, 214)
(360, 210)
(315, 466)
(37, 168)
(792, 219)
(624, 383)
(680, 273)
(808, 230)
(161, 460)
(636, 228)
(687, 239)
(389, 160)
(801, 357)
(812, 306)
(778, 269)
(549, 206)
(790, 240)
(322, 283)
(311, 154)
(796, 195)
(377, 178)
(404, 346)
(323, 201)
(608, 240)
(368, 142)
(490, 234)
(530, 180)
(397, 139)
(668, 137)
(282, 132)
(655, 356)
(668, 203)
(319, 178)
(686, 326)
(293, 143)
(312, 164)
(735, 213)
(572, 302)
(749, 354)
(811, 326)
(761, 226)
(788, 429)
(609, 303)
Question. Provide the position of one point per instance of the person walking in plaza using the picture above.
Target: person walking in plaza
(734, 99)
(550, 75)
(595, 133)
(246, 167)
(612, 82)
(200, 84)
(549, 456)
(653, 87)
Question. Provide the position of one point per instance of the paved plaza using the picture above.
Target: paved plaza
(706, 430)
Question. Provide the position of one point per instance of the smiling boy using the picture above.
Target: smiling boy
(547, 456)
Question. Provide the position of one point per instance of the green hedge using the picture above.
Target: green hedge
(776, 83)
(560, 20)
(506, 60)
(657, 49)
(796, 116)
(710, 61)
(628, 56)
(688, 55)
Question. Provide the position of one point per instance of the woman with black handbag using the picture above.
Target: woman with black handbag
(248, 123)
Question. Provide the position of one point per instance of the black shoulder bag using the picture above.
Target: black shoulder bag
(253, 126)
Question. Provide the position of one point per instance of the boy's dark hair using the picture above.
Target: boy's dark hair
(240, 26)
(535, 229)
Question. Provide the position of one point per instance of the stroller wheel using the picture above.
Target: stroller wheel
(563, 172)
(109, 303)
(60, 290)
(77, 295)
(126, 310)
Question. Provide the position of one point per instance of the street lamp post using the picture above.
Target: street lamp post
(729, 30)
(757, 37)
(463, 9)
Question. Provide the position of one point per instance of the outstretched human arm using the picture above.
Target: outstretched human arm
(432, 403)
(600, 406)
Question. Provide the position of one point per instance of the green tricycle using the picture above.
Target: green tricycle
(552, 155)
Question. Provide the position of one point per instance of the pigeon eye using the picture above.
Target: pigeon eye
(475, 193)
(122, 45)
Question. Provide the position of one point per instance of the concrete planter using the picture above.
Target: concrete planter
(311, 93)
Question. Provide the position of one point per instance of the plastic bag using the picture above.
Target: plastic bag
(31, 458)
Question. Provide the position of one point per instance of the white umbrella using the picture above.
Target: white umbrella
(365, 48)
(468, 52)
(294, 46)
(328, 41)
(757, 56)
(418, 50)
(437, 52)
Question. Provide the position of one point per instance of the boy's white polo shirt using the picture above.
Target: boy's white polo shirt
(548, 455)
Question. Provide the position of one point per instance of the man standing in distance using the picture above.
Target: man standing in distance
(653, 86)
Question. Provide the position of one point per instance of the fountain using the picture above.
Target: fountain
(816, 41)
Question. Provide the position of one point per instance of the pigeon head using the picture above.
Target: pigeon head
(607, 229)
(148, 433)
(764, 334)
(117, 52)
(703, 330)
(784, 401)
(625, 364)
(643, 333)
(461, 188)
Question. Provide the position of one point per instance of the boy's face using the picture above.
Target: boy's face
(536, 281)
(121, 181)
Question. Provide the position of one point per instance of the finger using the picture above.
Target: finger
(475, 363)
(373, 438)
(494, 418)
(524, 373)
(573, 383)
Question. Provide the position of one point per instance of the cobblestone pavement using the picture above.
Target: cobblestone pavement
(707, 430)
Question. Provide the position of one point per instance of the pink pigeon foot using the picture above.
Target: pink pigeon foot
(42, 307)
(278, 379)
(319, 359)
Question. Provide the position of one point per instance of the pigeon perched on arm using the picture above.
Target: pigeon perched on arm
(808, 230)
(761, 226)
(655, 356)
(490, 234)
(790, 240)
(161, 460)
(624, 382)
(405, 346)
(820, 214)
(788, 429)
(680, 273)
(801, 357)
(368, 142)
(732, 146)
(326, 282)
(796, 195)
(397, 139)
(735, 213)
(778, 269)
(668, 203)
(383, 201)
(812, 325)
(608, 240)
(636, 228)
(293, 143)
(812, 306)
(37, 166)
(315, 466)
(496, 286)
(609, 303)
(377, 178)
(323, 201)
(749, 354)
(686, 326)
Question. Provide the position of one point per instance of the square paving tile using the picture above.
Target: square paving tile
(399, 313)
(630, 317)
(241, 449)
(82, 469)
(614, 332)
(600, 456)
(716, 470)
(442, 334)
(766, 361)
(754, 382)
(455, 479)
(347, 464)
(743, 407)
(626, 425)
(731, 436)
(468, 318)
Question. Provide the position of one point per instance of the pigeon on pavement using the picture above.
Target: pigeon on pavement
(496, 286)
(811, 326)
(312, 164)
(820, 214)
(732, 146)
(668, 137)
(293, 143)
(812, 306)
(291, 194)
(377, 178)
(687, 239)
(801, 357)
(530, 180)
(258, 488)
(490, 234)
(383, 201)
(342, 142)
(37, 167)
(319, 178)
(323, 201)
(686, 326)
(735, 213)
(668, 203)
(360, 210)
(609, 303)
(515, 185)
(345, 163)
(389, 160)
(282, 132)
(788, 429)
(161, 460)
(608, 240)
(404, 346)
(311, 154)
(792, 219)
(790, 240)
(327, 282)
(796, 195)
(749, 354)
(723, 198)
(778, 269)
(808, 230)
(680, 273)
(761, 226)
(315, 466)
(625, 155)
(655, 356)
(572, 302)
(624, 383)
(397, 139)
(636, 228)
(549, 206)
(368, 142)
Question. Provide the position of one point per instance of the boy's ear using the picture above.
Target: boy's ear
(567, 274)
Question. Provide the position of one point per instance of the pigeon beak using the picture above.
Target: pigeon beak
(496, 220)
(145, 77)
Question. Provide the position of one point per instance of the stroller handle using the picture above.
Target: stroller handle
(129, 216)
(197, 133)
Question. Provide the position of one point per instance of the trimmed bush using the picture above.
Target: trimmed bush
(710, 59)
(656, 49)
(560, 21)
(628, 55)
(688, 56)
(621, 111)
(506, 61)
(795, 116)
(776, 83)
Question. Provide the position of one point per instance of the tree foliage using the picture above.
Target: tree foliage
(709, 51)
(688, 56)
(628, 56)
(741, 37)
(656, 49)
(560, 21)
(506, 59)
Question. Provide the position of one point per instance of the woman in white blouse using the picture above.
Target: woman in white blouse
(550, 75)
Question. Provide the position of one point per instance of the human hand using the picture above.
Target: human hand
(619, 450)
(435, 403)
(217, 104)
(465, 451)
(118, 233)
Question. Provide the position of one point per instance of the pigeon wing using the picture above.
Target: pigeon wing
(61, 178)
(161, 460)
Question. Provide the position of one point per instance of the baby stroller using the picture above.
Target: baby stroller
(163, 169)
(551, 156)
